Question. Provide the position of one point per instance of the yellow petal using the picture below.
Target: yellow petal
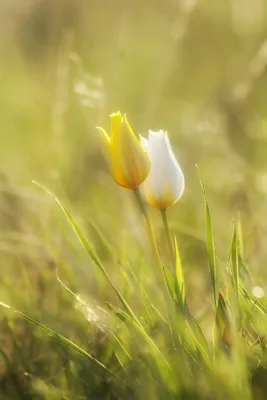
(129, 162)
(115, 123)
(104, 135)
(162, 201)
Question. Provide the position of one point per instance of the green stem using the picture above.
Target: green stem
(150, 231)
(168, 233)
(160, 274)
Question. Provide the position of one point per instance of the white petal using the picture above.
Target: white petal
(165, 182)
(144, 143)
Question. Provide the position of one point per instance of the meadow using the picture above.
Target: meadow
(86, 310)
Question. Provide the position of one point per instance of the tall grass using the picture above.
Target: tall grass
(86, 313)
(153, 344)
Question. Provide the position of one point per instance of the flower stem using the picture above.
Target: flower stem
(161, 275)
(150, 231)
(168, 233)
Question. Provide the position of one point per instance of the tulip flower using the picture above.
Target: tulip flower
(165, 182)
(129, 162)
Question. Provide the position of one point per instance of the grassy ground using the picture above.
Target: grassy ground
(198, 70)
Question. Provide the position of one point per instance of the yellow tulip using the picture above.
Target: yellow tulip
(128, 160)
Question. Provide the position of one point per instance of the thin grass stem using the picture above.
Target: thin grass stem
(168, 234)
(150, 233)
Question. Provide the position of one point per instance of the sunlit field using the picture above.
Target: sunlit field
(103, 296)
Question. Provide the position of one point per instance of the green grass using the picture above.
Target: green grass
(84, 313)
(158, 348)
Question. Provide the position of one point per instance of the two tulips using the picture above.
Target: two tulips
(149, 163)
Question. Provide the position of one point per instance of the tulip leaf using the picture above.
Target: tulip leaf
(209, 239)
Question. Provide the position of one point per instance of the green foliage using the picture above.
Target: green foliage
(209, 240)
(155, 347)
(93, 318)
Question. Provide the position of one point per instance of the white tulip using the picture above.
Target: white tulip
(165, 182)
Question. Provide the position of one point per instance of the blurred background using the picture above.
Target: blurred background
(196, 68)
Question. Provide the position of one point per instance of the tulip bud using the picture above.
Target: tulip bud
(128, 161)
(165, 182)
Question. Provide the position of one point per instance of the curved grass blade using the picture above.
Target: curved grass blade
(222, 328)
(63, 340)
(130, 270)
(175, 287)
(209, 239)
(170, 282)
(88, 247)
(234, 262)
(234, 257)
(239, 234)
(179, 277)
(79, 300)
(125, 318)
(104, 241)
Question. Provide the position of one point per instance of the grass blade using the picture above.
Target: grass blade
(234, 260)
(125, 318)
(179, 277)
(63, 340)
(88, 247)
(209, 239)
(170, 282)
(222, 327)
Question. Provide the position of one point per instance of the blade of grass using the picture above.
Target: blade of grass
(168, 234)
(124, 317)
(209, 239)
(107, 246)
(79, 300)
(151, 234)
(194, 342)
(239, 234)
(179, 277)
(243, 269)
(130, 270)
(234, 262)
(185, 318)
(88, 247)
(170, 282)
(63, 340)
(222, 330)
